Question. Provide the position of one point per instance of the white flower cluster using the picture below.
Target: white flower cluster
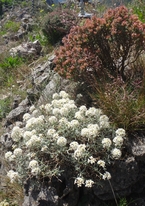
(106, 176)
(33, 165)
(106, 143)
(80, 151)
(79, 181)
(16, 133)
(58, 130)
(91, 160)
(91, 131)
(34, 122)
(4, 203)
(118, 141)
(13, 176)
(10, 156)
(33, 141)
(61, 141)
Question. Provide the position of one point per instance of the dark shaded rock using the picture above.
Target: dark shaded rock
(41, 197)
(137, 146)
(124, 176)
(33, 95)
(17, 113)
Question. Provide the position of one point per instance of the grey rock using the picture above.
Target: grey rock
(6, 140)
(17, 113)
(124, 176)
(42, 197)
(30, 49)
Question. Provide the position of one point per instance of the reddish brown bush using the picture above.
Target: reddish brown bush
(102, 47)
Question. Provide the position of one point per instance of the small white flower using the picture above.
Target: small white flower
(120, 132)
(36, 113)
(106, 175)
(42, 107)
(27, 135)
(118, 141)
(18, 152)
(35, 122)
(85, 132)
(93, 130)
(35, 171)
(91, 160)
(56, 103)
(101, 163)
(12, 158)
(104, 118)
(61, 141)
(63, 123)
(89, 183)
(52, 120)
(74, 145)
(35, 140)
(4, 203)
(83, 109)
(8, 155)
(48, 108)
(12, 175)
(44, 148)
(64, 111)
(56, 112)
(33, 164)
(79, 152)
(32, 108)
(41, 136)
(55, 96)
(16, 133)
(79, 115)
(74, 123)
(79, 181)
(116, 153)
(63, 94)
(26, 116)
(104, 125)
(52, 134)
(93, 112)
(106, 142)
(30, 124)
(71, 106)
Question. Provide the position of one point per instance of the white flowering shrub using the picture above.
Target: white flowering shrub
(4, 203)
(60, 133)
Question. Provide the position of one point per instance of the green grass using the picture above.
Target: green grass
(5, 107)
(11, 26)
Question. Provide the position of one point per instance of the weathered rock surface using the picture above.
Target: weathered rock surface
(27, 50)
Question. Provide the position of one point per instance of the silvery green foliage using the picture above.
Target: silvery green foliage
(59, 132)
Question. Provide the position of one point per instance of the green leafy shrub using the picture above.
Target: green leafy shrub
(60, 135)
(102, 48)
(58, 23)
